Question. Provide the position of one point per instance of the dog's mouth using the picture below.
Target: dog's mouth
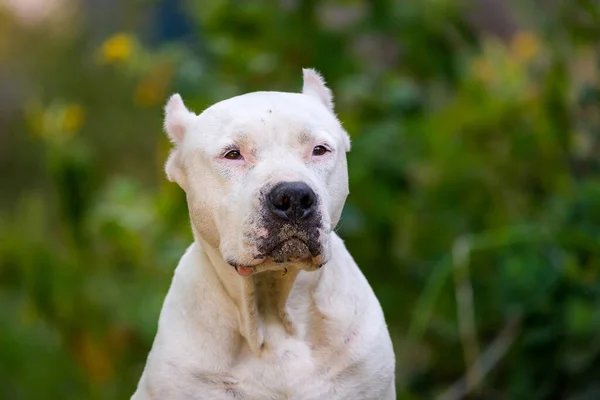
(291, 250)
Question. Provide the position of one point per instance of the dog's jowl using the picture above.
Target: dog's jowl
(266, 303)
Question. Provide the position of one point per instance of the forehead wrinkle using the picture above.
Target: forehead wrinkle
(304, 137)
(241, 138)
(244, 140)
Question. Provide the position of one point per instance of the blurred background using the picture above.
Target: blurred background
(475, 188)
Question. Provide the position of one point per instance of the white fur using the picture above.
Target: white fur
(288, 331)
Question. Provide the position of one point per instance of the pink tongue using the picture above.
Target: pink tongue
(244, 271)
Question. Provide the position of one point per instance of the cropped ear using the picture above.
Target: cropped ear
(314, 85)
(177, 118)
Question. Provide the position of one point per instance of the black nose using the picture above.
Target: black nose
(292, 201)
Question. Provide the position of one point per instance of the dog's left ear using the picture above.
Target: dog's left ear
(314, 85)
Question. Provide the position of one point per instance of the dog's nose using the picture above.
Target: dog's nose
(292, 201)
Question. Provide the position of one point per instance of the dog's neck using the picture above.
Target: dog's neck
(260, 298)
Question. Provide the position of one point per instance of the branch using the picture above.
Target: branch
(488, 360)
(465, 311)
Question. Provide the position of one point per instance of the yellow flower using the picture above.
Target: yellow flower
(151, 90)
(148, 94)
(73, 118)
(117, 48)
(525, 46)
(57, 122)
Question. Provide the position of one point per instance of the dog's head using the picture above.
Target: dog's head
(264, 173)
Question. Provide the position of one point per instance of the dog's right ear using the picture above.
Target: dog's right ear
(177, 121)
(177, 118)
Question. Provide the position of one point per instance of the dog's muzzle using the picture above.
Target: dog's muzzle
(293, 223)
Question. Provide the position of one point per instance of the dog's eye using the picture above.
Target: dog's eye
(319, 150)
(233, 155)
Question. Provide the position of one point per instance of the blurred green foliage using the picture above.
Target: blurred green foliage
(475, 188)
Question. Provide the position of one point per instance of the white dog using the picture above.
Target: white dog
(267, 303)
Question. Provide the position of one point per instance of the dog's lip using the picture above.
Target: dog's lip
(249, 267)
(260, 265)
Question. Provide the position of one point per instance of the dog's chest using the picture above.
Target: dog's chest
(292, 370)
(286, 369)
